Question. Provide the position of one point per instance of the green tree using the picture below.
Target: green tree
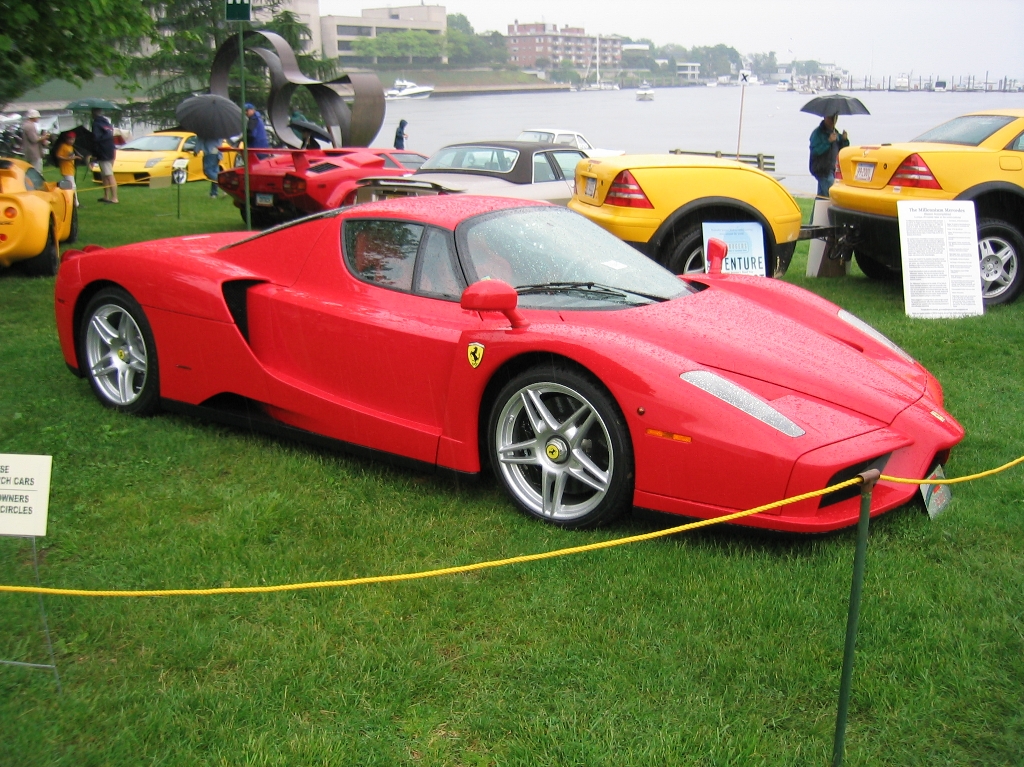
(407, 45)
(44, 39)
(764, 64)
(458, 21)
(717, 60)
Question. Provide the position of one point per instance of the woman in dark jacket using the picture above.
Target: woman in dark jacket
(400, 136)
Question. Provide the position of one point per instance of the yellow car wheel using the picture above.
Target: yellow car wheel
(686, 252)
(1001, 248)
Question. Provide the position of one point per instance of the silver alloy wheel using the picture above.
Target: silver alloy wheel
(999, 265)
(554, 451)
(694, 261)
(115, 354)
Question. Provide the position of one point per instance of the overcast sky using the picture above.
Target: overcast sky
(947, 38)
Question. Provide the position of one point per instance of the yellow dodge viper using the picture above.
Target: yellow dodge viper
(657, 203)
(34, 216)
(154, 155)
(977, 157)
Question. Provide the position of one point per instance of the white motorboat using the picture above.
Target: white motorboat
(645, 92)
(406, 89)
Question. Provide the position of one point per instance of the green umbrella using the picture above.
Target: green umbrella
(85, 105)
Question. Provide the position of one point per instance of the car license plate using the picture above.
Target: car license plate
(590, 190)
(265, 199)
(865, 171)
(936, 497)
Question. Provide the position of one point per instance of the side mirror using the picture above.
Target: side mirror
(716, 253)
(65, 184)
(494, 296)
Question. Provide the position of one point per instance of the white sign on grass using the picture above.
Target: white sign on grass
(746, 246)
(24, 494)
(939, 247)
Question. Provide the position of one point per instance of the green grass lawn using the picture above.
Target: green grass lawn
(715, 648)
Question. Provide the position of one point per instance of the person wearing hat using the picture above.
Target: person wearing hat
(32, 141)
(826, 142)
(255, 130)
(66, 159)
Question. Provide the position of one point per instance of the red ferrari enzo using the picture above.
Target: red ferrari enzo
(463, 332)
(291, 183)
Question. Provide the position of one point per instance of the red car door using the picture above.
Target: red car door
(372, 335)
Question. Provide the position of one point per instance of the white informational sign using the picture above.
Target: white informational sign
(746, 246)
(939, 246)
(24, 494)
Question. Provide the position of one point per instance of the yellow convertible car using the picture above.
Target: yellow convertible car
(657, 204)
(34, 216)
(154, 155)
(977, 157)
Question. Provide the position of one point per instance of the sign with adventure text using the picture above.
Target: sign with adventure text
(24, 494)
(746, 246)
(939, 247)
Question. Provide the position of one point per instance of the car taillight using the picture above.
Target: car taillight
(228, 179)
(10, 212)
(626, 192)
(293, 185)
(914, 171)
(839, 172)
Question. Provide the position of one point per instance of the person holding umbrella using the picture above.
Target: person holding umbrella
(826, 141)
(103, 137)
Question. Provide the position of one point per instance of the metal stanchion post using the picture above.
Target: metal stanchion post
(245, 119)
(869, 479)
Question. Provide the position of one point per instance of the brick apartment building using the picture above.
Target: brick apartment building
(528, 42)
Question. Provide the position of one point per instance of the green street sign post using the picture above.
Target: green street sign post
(238, 10)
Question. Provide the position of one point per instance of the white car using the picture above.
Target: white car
(566, 138)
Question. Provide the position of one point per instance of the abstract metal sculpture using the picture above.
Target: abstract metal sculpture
(357, 126)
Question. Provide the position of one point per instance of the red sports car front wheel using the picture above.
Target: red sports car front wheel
(560, 446)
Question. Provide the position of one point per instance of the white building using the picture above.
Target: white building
(688, 72)
(338, 32)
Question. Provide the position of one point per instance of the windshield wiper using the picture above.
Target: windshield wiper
(589, 287)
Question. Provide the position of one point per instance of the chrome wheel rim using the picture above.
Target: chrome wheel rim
(115, 354)
(999, 264)
(554, 451)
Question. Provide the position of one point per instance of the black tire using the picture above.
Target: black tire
(260, 219)
(874, 270)
(577, 472)
(73, 233)
(685, 253)
(117, 353)
(46, 263)
(1000, 249)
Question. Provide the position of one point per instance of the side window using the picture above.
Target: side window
(1017, 144)
(542, 170)
(567, 162)
(190, 144)
(383, 252)
(437, 275)
(389, 163)
(582, 143)
(568, 139)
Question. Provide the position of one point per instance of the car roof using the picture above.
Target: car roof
(1002, 112)
(445, 210)
(551, 130)
(522, 146)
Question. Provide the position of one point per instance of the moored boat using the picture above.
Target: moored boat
(406, 89)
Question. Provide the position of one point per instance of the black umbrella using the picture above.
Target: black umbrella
(836, 104)
(317, 131)
(210, 116)
(84, 105)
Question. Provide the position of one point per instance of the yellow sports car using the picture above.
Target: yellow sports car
(154, 155)
(978, 157)
(34, 216)
(657, 203)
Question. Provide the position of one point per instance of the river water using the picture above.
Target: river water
(694, 118)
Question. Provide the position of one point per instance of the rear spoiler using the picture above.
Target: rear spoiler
(373, 188)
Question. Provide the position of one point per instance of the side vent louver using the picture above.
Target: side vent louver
(235, 296)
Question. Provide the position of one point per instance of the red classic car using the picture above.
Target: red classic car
(463, 332)
(291, 183)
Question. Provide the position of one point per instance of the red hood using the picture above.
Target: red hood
(718, 329)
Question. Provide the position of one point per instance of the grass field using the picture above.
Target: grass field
(717, 648)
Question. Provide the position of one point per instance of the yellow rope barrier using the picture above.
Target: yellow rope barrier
(491, 563)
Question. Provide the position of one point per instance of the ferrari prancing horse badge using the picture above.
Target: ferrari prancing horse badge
(476, 354)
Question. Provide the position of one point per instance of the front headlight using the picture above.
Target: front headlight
(867, 330)
(741, 399)
(154, 161)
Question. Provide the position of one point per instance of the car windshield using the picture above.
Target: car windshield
(487, 158)
(969, 130)
(557, 259)
(543, 137)
(153, 144)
